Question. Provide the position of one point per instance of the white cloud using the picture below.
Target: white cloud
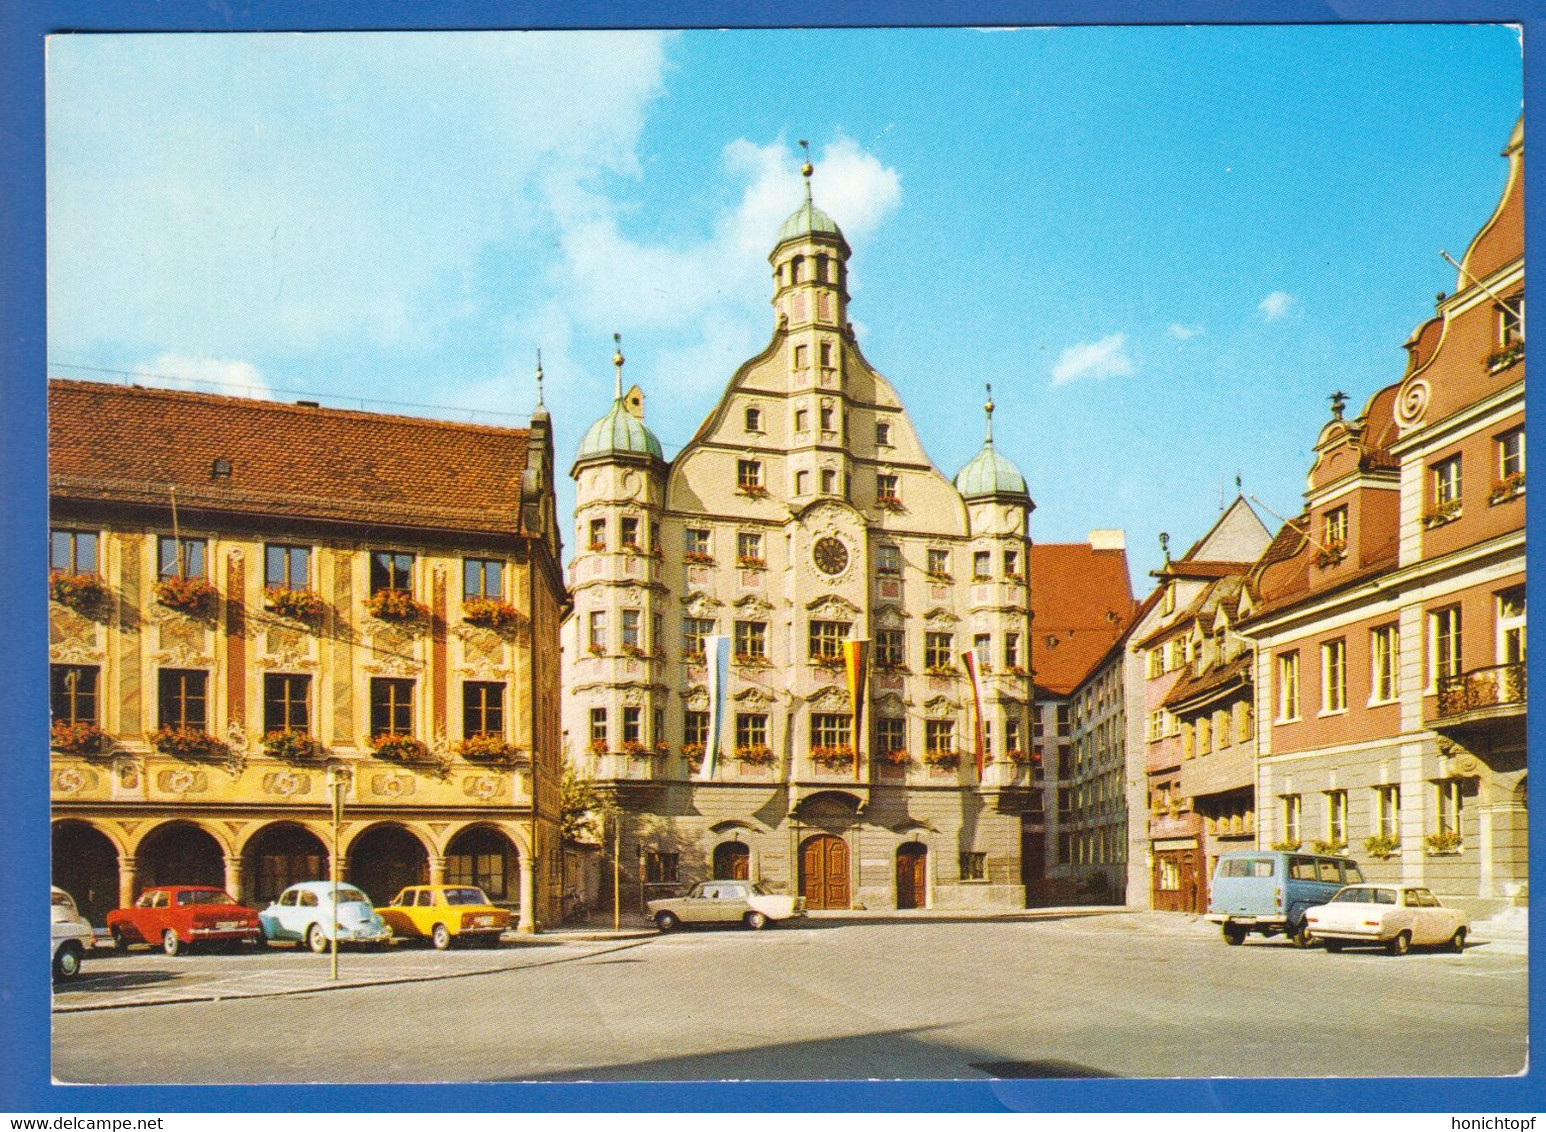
(204, 375)
(1277, 305)
(1183, 332)
(1095, 360)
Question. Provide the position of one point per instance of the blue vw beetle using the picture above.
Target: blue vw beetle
(302, 914)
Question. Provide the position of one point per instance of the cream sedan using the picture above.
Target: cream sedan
(1397, 917)
(726, 902)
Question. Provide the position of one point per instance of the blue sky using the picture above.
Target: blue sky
(1164, 246)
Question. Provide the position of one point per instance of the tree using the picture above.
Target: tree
(581, 808)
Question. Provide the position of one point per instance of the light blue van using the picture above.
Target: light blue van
(1268, 890)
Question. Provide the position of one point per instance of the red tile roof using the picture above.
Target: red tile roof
(1081, 604)
(131, 444)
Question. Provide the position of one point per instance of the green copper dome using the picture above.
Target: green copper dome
(619, 433)
(805, 220)
(988, 473)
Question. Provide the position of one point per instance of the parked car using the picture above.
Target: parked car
(443, 913)
(72, 935)
(1398, 918)
(726, 902)
(1268, 891)
(304, 913)
(175, 917)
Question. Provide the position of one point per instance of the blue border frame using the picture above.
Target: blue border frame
(24, 996)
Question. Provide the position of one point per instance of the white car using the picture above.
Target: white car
(71, 933)
(303, 913)
(726, 902)
(1395, 916)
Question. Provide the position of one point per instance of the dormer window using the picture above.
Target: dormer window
(1511, 321)
(882, 434)
(1168, 600)
(220, 470)
(1335, 530)
(753, 420)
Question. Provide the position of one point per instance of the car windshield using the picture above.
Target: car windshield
(1351, 896)
(761, 890)
(62, 900)
(465, 896)
(1247, 867)
(204, 896)
(347, 895)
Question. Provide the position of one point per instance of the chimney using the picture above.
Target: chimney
(1108, 540)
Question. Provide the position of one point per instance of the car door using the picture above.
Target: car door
(733, 903)
(281, 916)
(1430, 923)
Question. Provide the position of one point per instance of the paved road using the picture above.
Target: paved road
(1131, 995)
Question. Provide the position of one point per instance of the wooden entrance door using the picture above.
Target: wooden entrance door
(732, 861)
(911, 870)
(824, 872)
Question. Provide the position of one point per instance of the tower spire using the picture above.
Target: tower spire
(617, 361)
(988, 408)
(806, 169)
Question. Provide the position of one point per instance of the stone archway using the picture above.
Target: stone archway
(278, 856)
(484, 856)
(732, 861)
(385, 859)
(85, 864)
(180, 852)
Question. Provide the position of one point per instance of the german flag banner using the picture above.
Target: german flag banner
(856, 657)
(969, 660)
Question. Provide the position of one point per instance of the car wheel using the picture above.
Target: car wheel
(1401, 944)
(1234, 935)
(756, 920)
(120, 944)
(67, 963)
(1301, 936)
(1333, 946)
(667, 921)
(316, 938)
(171, 944)
(440, 937)
(1457, 941)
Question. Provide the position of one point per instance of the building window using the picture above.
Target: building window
(598, 534)
(826, 639)
(1155, 664)
(982, 565)
(1444, 644)
(695, 728)
(1511, 321)
(72, 552)
(483, 708)
(828, 481)
(826, 418)
(888, 488)
(1064, 721)
(802, 420)
(1011, 651)
(1384, 658)
(1011, 563)
(695, 544)
(391, 707)
(483, 578)
(695, 631)
(1511, 626)
(826, 347)
(890, 735)
(1245, 722)
(73, 693)
(974, 866)
(628, 535)
(890, 648)
(831, 729)
(1012, 733)
(888, 559)
(598, 632)
(181, 557)
(599, 739)
(481, 870)
(1446, 487)
(748, 549)
(982, 651)
(1447, 805)
(286, 567)
(1336, 817)
(390, 570)
(753, 420)
(1387, 812)
(1036, 724)
(883, 434)
(1334, 675)
(938, 650)
(1288, 687)
(748, 474)
(1511, 455)
(1291, 814)
(1334, 533)
(751, 640)
(802, 352)
(633, 725)
(1204, 735)
(939, 563)
(633, 640)
(286, 703)
(661, 868)
(939, 735)
(1168, 599)
(751, 729)
(181, 698)
(1169, 875)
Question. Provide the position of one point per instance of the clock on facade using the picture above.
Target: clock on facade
(830, 555)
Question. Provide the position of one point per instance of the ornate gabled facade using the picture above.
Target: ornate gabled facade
(252, 601)
(804, 513)
(1389, 617)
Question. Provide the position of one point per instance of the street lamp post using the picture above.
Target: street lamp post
(337, 782)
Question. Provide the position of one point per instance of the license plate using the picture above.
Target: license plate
(228, 925)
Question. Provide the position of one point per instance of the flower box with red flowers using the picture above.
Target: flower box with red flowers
(749, 562)
(1017, 756)
(888, 502)
(693, 753)
(757, 754)
(596, 547)
(635, 748)
(1333, 552)
(1441, 513)
(599, 747)
(832, 757)
(1509, 355)
(752, 490)
(484, 748)
(293, 746)
(193, 596)
(1509, 487)
(941, 670)
(828, 662)
(84, 593)
(752, 660)
(398, 748)
(698, 558)
(78, 739)
(634, 651)
(1015, 670)
(395, 605)
(490, 613)
(939, 575)
(187, 743)
(303, 605)
(942, 757)
(895, 757)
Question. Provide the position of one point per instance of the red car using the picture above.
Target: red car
(175, 917)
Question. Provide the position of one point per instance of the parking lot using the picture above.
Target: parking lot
(1123, 994)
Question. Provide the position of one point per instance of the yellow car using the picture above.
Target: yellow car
(442, 913)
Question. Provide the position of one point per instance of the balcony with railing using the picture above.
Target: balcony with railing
(1483, 698)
